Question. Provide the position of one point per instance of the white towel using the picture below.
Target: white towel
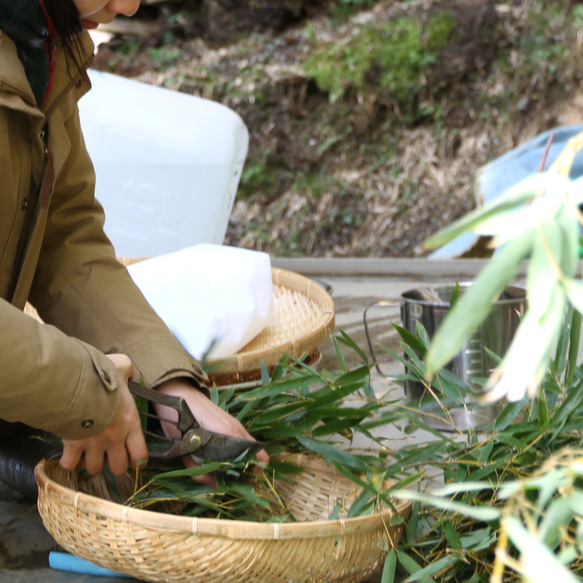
(209, 295)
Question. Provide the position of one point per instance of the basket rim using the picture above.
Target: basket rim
(272, 354)
(226, 528)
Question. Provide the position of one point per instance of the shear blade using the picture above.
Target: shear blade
(223, 448)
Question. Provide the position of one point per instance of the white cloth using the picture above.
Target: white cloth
(209, 296)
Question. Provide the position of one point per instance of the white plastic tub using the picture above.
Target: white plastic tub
(168, 164)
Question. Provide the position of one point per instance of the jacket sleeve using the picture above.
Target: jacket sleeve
(52, 381)
(82, 289)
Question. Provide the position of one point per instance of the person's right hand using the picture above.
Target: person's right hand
(122, 443)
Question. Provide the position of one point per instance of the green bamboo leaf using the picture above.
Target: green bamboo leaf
(471, 310)
(508, 414)
(451, 489)
(542, 278)
(333, 427)
(574, 339)
(518, 195)
(569, 223)
(292, 383)
(331, 453)
(201, 470)
(435, 568)
(575, 500)
(350, 343)
(479, 539)
(572, 403)
(279, 412)
(358, 375)
(536, 213)
(451, 386)
(574, 291)
(339, 355)
(537, 560)
(488, 469)
(411, 565)
(529, 354)
(543, 412)
(390, 567)
(411, 340)
(556, 518)
(482, 513)
(451, 535)
(363, 505)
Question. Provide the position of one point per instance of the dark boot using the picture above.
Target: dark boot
(20, 452)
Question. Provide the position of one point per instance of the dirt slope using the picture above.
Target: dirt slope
(358, 176)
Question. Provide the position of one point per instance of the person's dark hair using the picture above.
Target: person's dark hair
(67, 24)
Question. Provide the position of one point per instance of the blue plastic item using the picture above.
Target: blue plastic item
(501, 174)
(73, 564)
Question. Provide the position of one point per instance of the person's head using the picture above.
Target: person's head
(95, 12)
(70, 17)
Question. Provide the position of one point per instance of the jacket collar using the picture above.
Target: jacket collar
(27, 24)
(15, 91)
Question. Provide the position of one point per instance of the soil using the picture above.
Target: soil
(356, 176)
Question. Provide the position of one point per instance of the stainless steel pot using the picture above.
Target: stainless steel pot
(429, 306)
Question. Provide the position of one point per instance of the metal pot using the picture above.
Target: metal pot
(429, 306)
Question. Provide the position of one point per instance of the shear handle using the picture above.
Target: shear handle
(186, 419)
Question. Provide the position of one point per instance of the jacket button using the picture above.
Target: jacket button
(88, 423)
(25, 204)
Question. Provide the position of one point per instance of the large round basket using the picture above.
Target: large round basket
(303, 316)
(158, 547)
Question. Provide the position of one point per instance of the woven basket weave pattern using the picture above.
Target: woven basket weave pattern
(177, 549)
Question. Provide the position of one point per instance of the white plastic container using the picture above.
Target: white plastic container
(168, 164)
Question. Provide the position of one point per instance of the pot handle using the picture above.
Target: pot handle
(380, 304)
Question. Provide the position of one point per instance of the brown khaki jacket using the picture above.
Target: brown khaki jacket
(54, 253)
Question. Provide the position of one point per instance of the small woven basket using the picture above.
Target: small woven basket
(177, 549)
(303, 316)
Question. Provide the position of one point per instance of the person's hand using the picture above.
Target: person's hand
(208, 415)
(122, 443)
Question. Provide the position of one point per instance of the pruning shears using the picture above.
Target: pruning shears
(200, 444)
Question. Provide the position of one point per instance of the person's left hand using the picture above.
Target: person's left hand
(208, 415)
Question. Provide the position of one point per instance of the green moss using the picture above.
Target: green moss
(257, 176)
(389, 58)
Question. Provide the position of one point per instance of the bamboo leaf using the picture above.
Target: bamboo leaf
(508, 414)
(484, 513)
(574, 339)
(451, 489)
(529, 354)
(332, 453)
(471, 310)
(411, 340)
(434, 568)
(390, 567)
(574, 291)
(518, 195)
(411, 565)
(350, 343)
(451, 535)
(537, 561)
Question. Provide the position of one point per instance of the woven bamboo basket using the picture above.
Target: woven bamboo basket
(169, 548)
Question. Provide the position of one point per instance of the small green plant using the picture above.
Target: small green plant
(389, 59)
(164, 57)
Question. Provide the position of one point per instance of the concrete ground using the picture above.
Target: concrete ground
(356, 283)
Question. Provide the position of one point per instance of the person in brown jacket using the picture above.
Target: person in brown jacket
(68, 375)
